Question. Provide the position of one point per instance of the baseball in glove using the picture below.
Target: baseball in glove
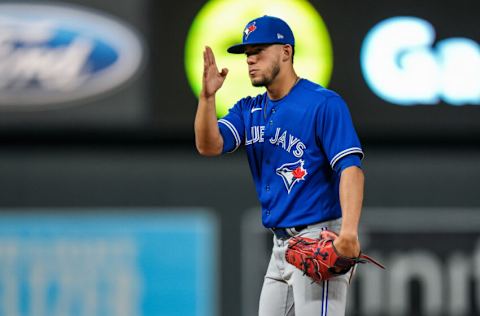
(319, 259)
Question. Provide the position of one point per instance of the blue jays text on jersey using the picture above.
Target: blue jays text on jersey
(293, 145)
(257, 135)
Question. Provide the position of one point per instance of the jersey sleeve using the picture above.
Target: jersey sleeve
(345, 162)
(336, 132)
(232, 128)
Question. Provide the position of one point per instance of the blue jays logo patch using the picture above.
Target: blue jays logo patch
(249, 29)
(292, 173)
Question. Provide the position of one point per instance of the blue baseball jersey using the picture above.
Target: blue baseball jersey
(293, 146)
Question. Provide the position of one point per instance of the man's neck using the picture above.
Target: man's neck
(282, 86)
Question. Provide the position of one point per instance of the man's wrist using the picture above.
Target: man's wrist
(349, 234)
(206, 97)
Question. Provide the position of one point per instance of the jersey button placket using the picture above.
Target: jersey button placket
(271, 116)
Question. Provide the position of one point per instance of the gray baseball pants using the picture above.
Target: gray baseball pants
(287, 292)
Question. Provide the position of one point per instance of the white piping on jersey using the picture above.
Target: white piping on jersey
(234, 131)
(255, 109)
(344, 153)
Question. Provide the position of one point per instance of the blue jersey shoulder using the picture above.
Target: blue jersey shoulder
(248, 103)
(317, 92)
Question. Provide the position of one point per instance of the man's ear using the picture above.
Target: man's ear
(287, 53)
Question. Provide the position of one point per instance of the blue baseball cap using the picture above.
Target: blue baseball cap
(264, 30)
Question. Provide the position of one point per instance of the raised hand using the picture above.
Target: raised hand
(212, 78)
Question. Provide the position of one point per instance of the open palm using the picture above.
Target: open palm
(212, 78)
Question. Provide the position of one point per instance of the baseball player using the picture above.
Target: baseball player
(304, 156)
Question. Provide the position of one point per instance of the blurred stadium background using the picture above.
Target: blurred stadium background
(106, 209)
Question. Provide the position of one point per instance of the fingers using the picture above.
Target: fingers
(208, 55)
(204, 62)
(211, 56)
(224, 72)
(209, 60)
(205, 57)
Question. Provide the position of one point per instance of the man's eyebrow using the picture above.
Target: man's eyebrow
(254, 50)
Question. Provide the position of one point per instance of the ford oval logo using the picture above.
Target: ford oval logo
(51, 54)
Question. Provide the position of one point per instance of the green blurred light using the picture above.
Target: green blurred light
(219, 24)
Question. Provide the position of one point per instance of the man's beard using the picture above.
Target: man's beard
(267, 80)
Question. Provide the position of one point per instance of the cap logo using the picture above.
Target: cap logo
(249, 29)
(280, 36)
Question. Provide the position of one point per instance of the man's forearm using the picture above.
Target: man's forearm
(208, 139)
(351, 199)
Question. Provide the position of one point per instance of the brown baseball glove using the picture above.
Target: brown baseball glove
(319, 259)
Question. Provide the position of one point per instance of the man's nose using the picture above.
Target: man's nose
(251, 59)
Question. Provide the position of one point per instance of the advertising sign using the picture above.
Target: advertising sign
(102, 262)
(53, 53)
